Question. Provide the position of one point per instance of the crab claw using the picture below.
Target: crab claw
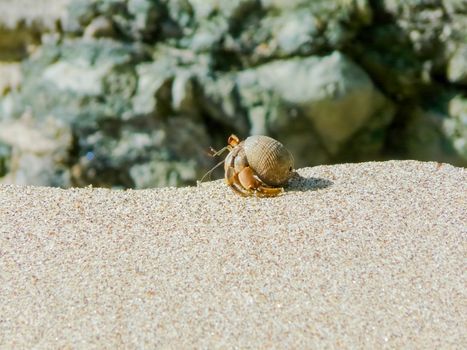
(247, 184)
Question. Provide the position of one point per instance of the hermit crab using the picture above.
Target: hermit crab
(258, 166)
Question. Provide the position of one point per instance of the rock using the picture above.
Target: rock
(404, 55)
(218, 98)
(112, 104)
(423, 139)
(232, 10)
(163, 173)
(335, 81)
(332, 93)
(434, 134)
(79, 15)
(455, 127)
(209, 35)
(138, 20)
(183, 93)
(457, 66)
(298, 28)
(85, 80)
(100, 27)
(10, 77)
(40, 13)
(79, 81)
(153, 89)
(145, 18)
(23, 21)
(171, 153)
(181, 12)
(296, 32)
(39, 153)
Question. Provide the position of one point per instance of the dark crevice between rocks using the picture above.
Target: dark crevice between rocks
(5, 159)
(384, 50)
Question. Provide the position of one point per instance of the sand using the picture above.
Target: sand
(367, 255)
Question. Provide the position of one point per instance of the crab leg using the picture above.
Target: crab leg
(242, 187)
(253, 186)
(231, 179)
(263, 191)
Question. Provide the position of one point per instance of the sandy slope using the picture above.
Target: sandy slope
(354, 255)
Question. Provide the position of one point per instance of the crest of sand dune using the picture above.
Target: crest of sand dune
(367, 255)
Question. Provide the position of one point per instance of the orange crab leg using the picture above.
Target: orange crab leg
(244, 189)
(247, 179)
(253, 186)
(231, 179)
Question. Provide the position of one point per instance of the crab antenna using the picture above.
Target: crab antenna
(219, 152)
(210, 171)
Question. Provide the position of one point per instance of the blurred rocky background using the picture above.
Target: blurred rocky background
(131, 93)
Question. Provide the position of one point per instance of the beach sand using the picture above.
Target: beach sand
(368, 255)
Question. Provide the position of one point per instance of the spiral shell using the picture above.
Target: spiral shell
(269, 158)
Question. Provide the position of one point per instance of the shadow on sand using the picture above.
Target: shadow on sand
(300, 183)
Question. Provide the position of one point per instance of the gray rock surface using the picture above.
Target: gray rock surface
(331, 94)
(43, 162)
(457, 66)
(336, 81)
(23, 22)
